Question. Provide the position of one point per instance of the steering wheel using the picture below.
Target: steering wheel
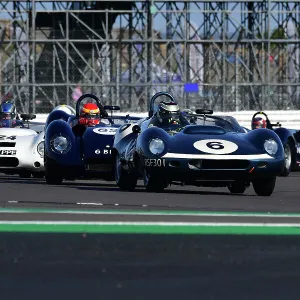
(151, 110)
(103, 112)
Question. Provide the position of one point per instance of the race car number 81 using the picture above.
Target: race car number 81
(216, 146)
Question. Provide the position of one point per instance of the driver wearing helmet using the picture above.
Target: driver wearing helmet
(258, 123)
(89, 115)
(168, 113)
(8, 115)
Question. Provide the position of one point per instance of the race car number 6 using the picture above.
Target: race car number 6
(216, 146)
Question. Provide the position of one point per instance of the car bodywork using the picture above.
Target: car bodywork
(210, 154)
(89, 150)
(21, 149)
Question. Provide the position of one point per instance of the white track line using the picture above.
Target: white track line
(168, 224)
(137, 213)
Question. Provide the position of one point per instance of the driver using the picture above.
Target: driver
(168, 113)
(258, 123)
(8, 111)
(90, 115)
(9, 116)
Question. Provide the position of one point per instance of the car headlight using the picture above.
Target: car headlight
(156, 146)
(41, 148)
(60, 144)
(271, 146)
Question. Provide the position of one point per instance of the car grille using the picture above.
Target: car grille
(7, 144)
(9, 162)
(212, 164)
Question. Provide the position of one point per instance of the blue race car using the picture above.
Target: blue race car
(214, 153)
(288, 138)
(75, 150)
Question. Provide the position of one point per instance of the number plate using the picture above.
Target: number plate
(99, 167)
(8, 152)
(154, 162)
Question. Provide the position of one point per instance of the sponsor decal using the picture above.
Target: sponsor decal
(8, 152)
(154, 162)
(105, 130)
(215, 146)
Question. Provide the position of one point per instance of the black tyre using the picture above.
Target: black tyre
(53, 173)
(38, 175)
(288, 158)
(264, 186)
(237, 187)
(154, 184)
(125, 181)
(25, 174)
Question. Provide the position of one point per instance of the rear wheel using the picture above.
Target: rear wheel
(125, 180)
(287, 160)
(237, 187)
(264, 186)
(52, 172)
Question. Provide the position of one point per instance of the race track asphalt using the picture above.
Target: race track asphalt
(83, 265)
(17, 192)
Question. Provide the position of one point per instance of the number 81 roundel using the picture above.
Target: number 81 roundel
(216, 146)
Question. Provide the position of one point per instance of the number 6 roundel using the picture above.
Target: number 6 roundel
(216, 146)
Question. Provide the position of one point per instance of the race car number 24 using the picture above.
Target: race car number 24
(4, 137)
(155, 162)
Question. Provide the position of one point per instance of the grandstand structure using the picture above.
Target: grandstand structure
(224, 55)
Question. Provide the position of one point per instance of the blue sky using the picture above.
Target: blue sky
(160, 22)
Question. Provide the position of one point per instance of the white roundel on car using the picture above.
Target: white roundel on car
(215, 146)
(105, 130)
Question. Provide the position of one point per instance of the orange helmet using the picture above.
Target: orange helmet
(90, 114)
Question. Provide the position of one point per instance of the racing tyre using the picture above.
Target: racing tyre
(52, 172)
(25, 174)
(154, 184)
(38, 175)
(264, 186)
(287, 160)
(125, 181)
(237, 188)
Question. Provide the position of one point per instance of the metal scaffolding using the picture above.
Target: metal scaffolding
(225, 55)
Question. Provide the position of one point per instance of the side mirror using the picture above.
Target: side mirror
(136, 129)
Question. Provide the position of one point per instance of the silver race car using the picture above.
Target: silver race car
(22, 149)
(22, 143)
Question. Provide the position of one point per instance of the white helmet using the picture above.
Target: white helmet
(66, 108)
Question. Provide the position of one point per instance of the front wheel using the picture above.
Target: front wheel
(125, 181)
(154, 184)
(237, 187)
(287, 160)
(52, 172)
(264, 186)
(38, 175)
(25, 174)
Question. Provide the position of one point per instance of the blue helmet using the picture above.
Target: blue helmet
(7, 110)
